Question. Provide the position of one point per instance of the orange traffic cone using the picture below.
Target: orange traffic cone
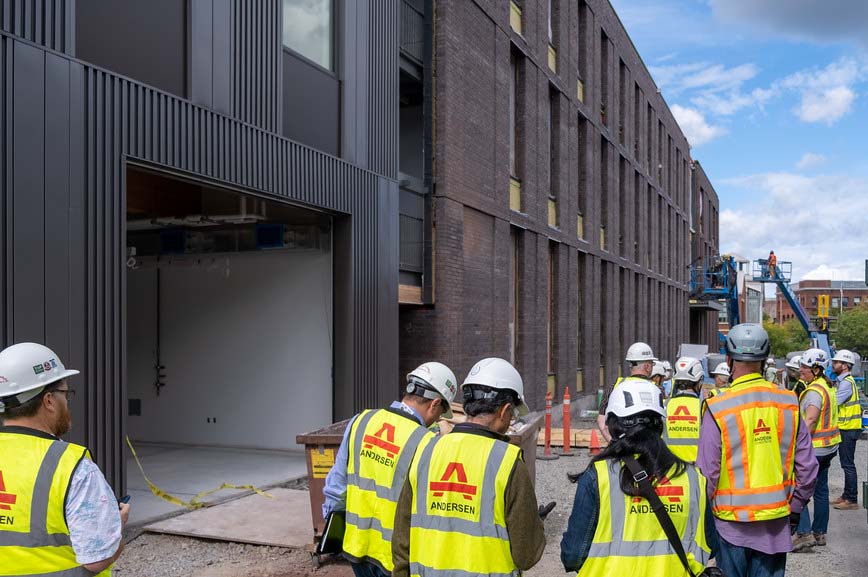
(595, 443)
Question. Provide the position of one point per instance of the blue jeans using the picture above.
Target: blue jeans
(368, 570)
(821, 501)
(847, 452)
(737, 561)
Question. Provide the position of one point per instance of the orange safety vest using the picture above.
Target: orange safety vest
(826, 432)
(758, 424)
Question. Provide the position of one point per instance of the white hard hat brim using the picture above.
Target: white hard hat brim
(64, 375)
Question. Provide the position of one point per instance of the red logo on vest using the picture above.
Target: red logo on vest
(387, 443)
(683, 414)
(666, 489)
(761, 427)
(445, 484)
(6, 499)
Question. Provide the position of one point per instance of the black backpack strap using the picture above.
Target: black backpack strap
(640, 476)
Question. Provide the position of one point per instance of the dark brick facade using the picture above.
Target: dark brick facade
(618, 159)
(705, 240)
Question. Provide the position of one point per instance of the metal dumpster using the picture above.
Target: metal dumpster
(321, 447)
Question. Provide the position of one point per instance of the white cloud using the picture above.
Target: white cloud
(813, 222)
(810, 160)
(710, 77)
(697, 130)
(828, 106)
(837, 21)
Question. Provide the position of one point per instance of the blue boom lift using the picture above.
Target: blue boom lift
(780, 275)
(716, 279)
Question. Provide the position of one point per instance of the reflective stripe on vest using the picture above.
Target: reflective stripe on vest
(682, 426)
(382, 445)
(35, 476)
(850, 413)
(758, 424)
(628, 539)
(458, 520)
(826, 431)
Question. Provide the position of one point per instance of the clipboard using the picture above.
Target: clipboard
(333, 535)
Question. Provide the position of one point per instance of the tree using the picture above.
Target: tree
(787, 338)
(853, 330)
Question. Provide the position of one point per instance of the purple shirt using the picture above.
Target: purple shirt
(765, 536)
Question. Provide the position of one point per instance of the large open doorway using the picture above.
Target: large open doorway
(229, 336)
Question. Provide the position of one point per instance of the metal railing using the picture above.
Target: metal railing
(412, 32)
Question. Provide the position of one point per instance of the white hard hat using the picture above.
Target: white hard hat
(437, 376)
(27, 368)
(498, 374)
(640, 352)
(658, 369)
(689, 369)
(721, 369)
(634, 396)
(815, 358)
(846, 356)
(794, 362)
(770, 361)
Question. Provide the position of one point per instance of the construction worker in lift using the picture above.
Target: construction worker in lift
(756, 452)
(468, 506)
(850, 424)
(820, 410)
(681, 432)
(641, 359)
(772, 264)
(372, 463)
(80, 526)
(613, 529)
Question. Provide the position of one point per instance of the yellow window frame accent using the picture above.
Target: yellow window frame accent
(515, 17)
(514, 194)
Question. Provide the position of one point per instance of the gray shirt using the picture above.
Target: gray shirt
(845, 388)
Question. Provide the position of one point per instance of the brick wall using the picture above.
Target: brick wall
(635, 287)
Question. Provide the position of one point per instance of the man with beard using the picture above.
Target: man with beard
(59, 515)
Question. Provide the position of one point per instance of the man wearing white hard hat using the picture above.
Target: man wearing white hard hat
(468, 506)
(850, 425)
(721, 379)
(795, 382)
(641, 359)
(372, 463)
(78, 527)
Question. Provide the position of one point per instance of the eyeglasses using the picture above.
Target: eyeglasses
(68, 392)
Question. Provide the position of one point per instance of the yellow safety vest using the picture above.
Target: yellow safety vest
(850, 413)
(682, 426)
(758, 423)
(458, 519)
(826, 431)
(382, 444)
(629, 540)
(35, 473)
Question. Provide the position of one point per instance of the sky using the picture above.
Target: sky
(773, 97)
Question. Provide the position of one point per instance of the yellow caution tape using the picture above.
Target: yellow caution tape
(196, 501)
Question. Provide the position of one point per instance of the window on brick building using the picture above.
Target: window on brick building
(622, 102)
(835, 302)
(551, 320)
(845, 301)
(554, 154)
(515, 235)
(580, 304)
(604, 77)
(813, 301)
(857, 301)
(584, 182)
(623, 176)
(515, 65)
(604, 190)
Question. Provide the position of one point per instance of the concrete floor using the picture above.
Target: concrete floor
(185, 471)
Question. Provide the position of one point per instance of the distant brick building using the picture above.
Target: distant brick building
(562, 207)
(843, 296)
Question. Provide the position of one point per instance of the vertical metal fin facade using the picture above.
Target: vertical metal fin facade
(50, 23)
(67, 133)
(383, 86)
(257, 29)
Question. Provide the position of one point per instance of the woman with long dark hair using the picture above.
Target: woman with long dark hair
(612, 529)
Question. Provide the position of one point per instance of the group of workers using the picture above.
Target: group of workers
(683, 480)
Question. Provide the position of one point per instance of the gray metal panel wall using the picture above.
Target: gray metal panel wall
(50, 23)
(383, 88)
(257, 31)
(63, 231)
